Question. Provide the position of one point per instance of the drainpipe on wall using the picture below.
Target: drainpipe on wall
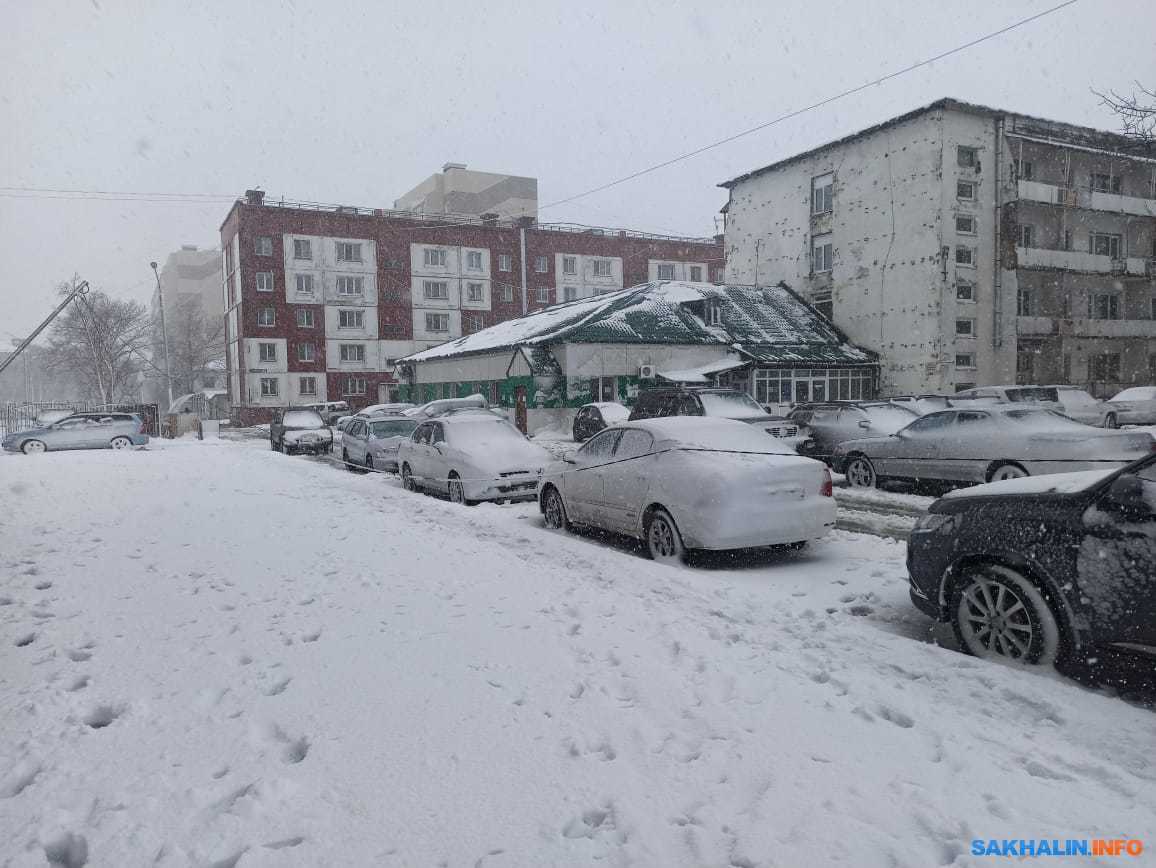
(997, 278)
(525, 297)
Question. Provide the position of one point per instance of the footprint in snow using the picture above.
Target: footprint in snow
(66, 850)
(25, 640)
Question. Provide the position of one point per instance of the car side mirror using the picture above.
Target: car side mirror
(440, 445)
(864, 424)
(570, 456)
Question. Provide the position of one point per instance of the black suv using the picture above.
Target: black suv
(1043, 568)
(719, 403)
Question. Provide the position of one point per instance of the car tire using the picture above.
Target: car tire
(1003, 470)
(285, 450)
(407, 480)
(346, 462)
(369, 464)
(1111, 421)
(457, 491)
(554, 510)
(120, 443)
(33, 447)
(997, 613)
(860, 472)
(662, 539)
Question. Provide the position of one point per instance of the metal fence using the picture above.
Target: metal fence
(21, 417)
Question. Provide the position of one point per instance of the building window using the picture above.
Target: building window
(307, 386)
(437, 322)
(696, 273)
(350, 319)
(474, 260)
(1104, 305)
(569, 293)
(306, 353)
(569, 264)
(717, 276)
(505, 262)
(1023, 170)
(540, 264)
(822, 253)
(964, 360)
(965, 328)
(1066, 305)
(965, 191)
(354, 386)
(966, 158)
(1103, 244)
(542, 295)
(302, 248)
(964, 256)
(964, 224)
(604, 389)
(264, 281)
(713, 313)
(1105, 368)
(266, 316)
(267, 352)
(1024, 306)
(352, 352)
(269, 387)
(435, 256)
(475, 292)
(264, 245)
(507, 292)
(964, 290)
(1025, 366)
(1067, 239)
(348, 251)
(304, 318)
(1105, 183)
(822, 194)
(601, 267)
(1026, 236)
(304, 284)
(473, 323)
(435, 289)
(347, 285)
(1152, 307)
(666, 272)
(1067, 367)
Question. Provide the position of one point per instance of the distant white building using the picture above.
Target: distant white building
(967, 246)
(458, 190)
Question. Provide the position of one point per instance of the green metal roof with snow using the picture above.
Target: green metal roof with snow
(769, 324)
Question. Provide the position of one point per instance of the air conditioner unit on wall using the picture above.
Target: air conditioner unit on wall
(646, 372)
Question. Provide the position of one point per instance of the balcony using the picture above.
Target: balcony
(1029, 326)
(1108, 328)
(1073, 260)
(1049, 194)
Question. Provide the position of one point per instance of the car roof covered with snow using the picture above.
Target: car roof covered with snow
(711, 432)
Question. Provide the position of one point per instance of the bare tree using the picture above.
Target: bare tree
(98, 342)
(1137, 113)
(196, 340)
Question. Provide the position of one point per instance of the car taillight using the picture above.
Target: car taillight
(827, 489)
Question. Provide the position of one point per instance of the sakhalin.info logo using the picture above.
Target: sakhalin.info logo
(1055, 847)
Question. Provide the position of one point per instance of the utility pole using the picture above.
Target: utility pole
(76, 292)
(164, 333)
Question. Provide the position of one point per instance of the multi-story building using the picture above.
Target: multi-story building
(458, 190)
(320, 303)
(967, 246)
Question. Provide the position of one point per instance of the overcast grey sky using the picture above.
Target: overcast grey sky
(355, 102)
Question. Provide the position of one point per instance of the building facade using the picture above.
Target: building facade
(967, 246)
(458, 190)
(319, 304)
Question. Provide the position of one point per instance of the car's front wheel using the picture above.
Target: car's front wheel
(1006, 470)
(554, 510)
(861, 472)
(997, 613)
(407, 480)
(1111, 421)
(663, 541)
(120, 443)
(369, 464)
(457, 490)
(33, 447)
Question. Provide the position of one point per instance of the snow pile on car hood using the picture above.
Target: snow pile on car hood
(1052, 483)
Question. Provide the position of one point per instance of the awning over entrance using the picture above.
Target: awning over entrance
(702, 373)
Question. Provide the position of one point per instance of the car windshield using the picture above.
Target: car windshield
(730, 405)
(1076, 398)
(1043, 419)
(1136, 393)
(1027, 395)
(393, 428)
(302, 419)
(888, 419)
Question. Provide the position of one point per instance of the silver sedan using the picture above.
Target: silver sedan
(372, 444)
(987, 444)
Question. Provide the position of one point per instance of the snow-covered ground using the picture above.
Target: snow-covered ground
(217, 655)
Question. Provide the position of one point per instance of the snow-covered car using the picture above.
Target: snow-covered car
(49, 417)
(1045, 397)
(372, 444)
(921, 405)
(987, 443)
(685, 483)
(433, 409)
(835, 423)
(472, 457)
(716, 404)
(592, 418)
(1080, 406)
(1033, 570)
(297, 430)
(80, 431)
(384, 409)
(1134, 406)
(329, 411)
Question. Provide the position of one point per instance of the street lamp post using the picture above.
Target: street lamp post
(164, 333)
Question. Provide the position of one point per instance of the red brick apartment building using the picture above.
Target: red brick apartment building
(320, 300)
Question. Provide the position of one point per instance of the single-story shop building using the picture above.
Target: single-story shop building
(766, 341)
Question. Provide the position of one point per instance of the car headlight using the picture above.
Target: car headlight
(931, 522)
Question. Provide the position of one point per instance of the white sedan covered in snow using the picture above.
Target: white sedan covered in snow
(472, 457)
(685, 482)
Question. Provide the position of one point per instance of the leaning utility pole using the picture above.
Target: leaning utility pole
(164, 333)
(77, 291)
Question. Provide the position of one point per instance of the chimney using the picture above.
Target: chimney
(255, 197)
(192, 248)
(447, 166)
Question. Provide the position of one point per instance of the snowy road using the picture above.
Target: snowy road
(217, 655)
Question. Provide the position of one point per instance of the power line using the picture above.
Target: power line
(812, 107)
(112, 192)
